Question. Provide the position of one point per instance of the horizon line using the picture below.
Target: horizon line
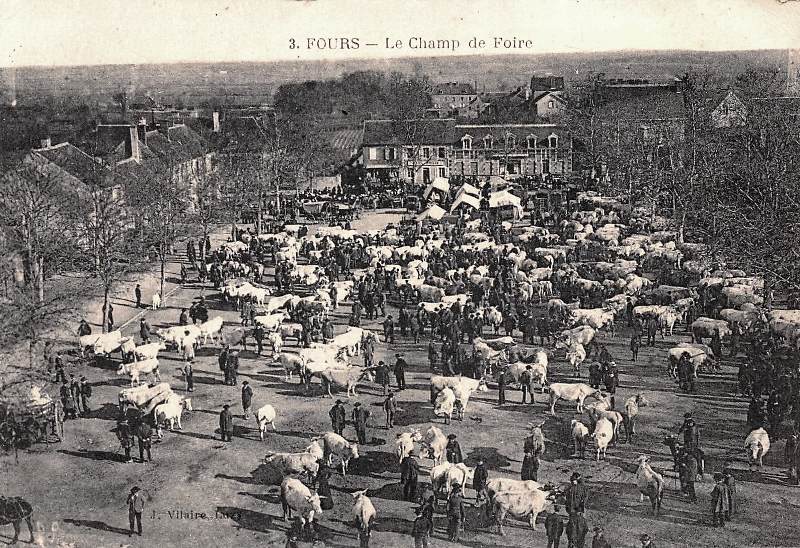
(394, 58)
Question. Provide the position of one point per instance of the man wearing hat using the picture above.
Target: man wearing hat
(247, 399)
(144, 331)
(388, 329)
(646, 541)
(455, 513)
(135, 509)
(576, 495)
(479, 480)
(691, 439)
(359, 417)
(453, 450)
(409, 475)
(400, 371)
(390, 407)
(125, 436)
(67, 401)
(554, 527)
(577, 528)
(338, 417)
(721, 500)
(226, 423)
(85, 390)
(599, 540)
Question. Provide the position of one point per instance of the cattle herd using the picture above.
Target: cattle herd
(479, 293)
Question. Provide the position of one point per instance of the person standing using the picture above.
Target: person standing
(388, 329)
(135, 509)
(525, 383)
(188, 375)
(368, 348)
(144, 331)
(554, 526)
(652, 329)
(576, 495)
(223, 362)
(187, 347)
(125, 437)
(636, 342)
(359, 417)
(233, 367)
(390, 407)
(690, 475)
(338, 417)
(247, 399)
(226, 423)
(138, 293)
(455, 513)
(409, 475)
(183, 319)
(599, 540)
(67, 401)
(323, 487)
(501, 388)
(400, 371)
(480, 478)
(721, 500)
(59, 363)
(85, 390)
(453, 450)
(110, 318)
(730, 481)
(691, 438)
(145, 435)
(530, 466)
(75, 390)
(421, 529)
(382, 376)
(577, 528)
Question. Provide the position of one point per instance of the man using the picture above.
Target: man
(525, 381)
(338, 418)
(599, 540)
(646, 541)
(691, 438)
(576, 530)
(400, 371)
(67, 401)
(421, 529)
(75, 390)
(258, 335)
(530, 466)
(144, 331)
(390, 407)
(187, 347)
(576, 495)
(110, 318)
(59, 361)
(554, 526)
(380, 302)
(382, 376)
(145, 435)
(652, 329)
(611, 381)
(501, 388)
(233, 367)
(409, 475)
(720, 500)
(455, 513)
(480, 478)
(247, 399)
(368, 349)
(85, 390)
(138, 293)
(635, 344)
(135, 509)
(453, 450)
(595, 374)
(689, 468)
(125, 437)
(183, 319)
(388, 329)
(359, 417)
(413, 324)
(226, 423)
(223, 362)
(188, 374)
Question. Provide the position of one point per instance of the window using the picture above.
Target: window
(373, 153)
(474, 167)
(388, 153)
(442, 152)
(552, 141)
(511, 141)
(426, 152)
(549, 104)
(488, 142)
(531, 141)
(442, 172)
(426, 175)
(410, 173)
(466, 142)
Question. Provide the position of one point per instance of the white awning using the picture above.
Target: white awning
(434, 212)
(467, 199)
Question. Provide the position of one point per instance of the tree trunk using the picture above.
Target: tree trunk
(259, 212)
(163, 269)
(40, 279)
(104, 322)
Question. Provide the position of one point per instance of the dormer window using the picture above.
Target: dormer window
(511, 141)
(466, 142)
(552, 141)
(531, 141)
(488, 142)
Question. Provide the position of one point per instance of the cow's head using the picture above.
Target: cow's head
(314, 502)
(482, 386)
(353, 451)
(641, 460)
(755, 450)
(416, 435)
(123, 369)
(358, 494)
(641, 401)
(187, 404)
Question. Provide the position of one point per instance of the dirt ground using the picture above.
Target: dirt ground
(78, 487)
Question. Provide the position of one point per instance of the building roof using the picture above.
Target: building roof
(539, 83)
(521, 132)
(399, 132)
(346, 139)
(72, 161)
(453, 88)
(643, 101)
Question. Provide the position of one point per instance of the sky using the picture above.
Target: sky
(89, 32)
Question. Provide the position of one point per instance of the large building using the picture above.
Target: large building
(418, 151)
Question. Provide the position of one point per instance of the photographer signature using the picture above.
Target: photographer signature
(787, 1)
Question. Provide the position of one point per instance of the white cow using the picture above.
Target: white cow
(156, 301)
(457, 384)
(169, 413)
(148, 351)
(444, 404)
(435, 443)
(603, 434)
(580, 435)
(649, 482)
(404, 443)
(519, 504)
(576, 392)
(265, 416)
(292, 463)
(296, 496)
(757, 445)
(135, 369)
(363, 512)
(334, 444)
(444, 476)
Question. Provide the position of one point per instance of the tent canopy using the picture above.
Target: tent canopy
(434, 212)
(504, 198)
(439, 183)
(466, 199)
(469, 189)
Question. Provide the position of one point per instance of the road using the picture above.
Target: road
(78, 487)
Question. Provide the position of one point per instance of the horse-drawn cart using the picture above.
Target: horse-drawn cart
(25, 420)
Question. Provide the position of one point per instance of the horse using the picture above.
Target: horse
(650, 483)
(13, 510)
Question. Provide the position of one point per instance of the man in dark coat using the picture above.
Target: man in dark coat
(144, 331)
(247, 399)
(453, 450)
(85, 390)
(138, 293)
(530, 467)
(421, 529)
(388, 329)
(525, 381)
(125, 436)
(576, 495)
(338, 417)
(455, 513)
(479, 480)
(359, 417)
(577, 528)
(390, 408)
(409, 475)
(382, 376)
(689, 469)
(501, 388)
(135, 508)
(145, 435)
(68, 402)
(599, 540)
(691, 438)
(720, 500)
(554, 527)
(226, 423)
(400, 372)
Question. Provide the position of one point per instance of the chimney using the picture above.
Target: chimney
(527, 92)
(141, 131)
(215, 121)
(132, 144)
(45, 142)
